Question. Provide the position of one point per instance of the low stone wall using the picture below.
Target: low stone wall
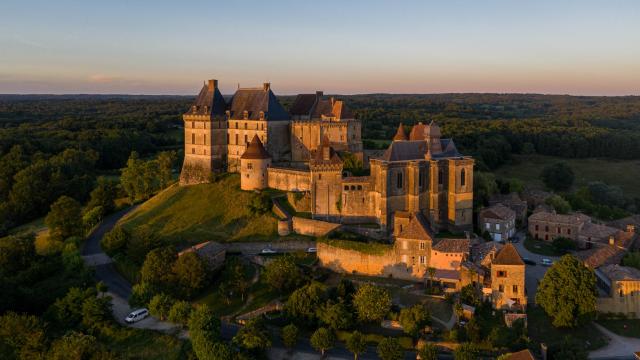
(628, 306)
(289, 179)
(301, 201)
(356, 262)
(312, 227)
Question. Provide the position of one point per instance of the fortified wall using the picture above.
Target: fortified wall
(289, 179)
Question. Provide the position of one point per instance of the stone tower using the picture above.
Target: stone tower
(253, 166)
(326, 180)
(205, 136)
(507, 279)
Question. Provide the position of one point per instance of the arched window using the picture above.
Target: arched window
(463, 177)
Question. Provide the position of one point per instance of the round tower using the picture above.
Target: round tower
(253, 166)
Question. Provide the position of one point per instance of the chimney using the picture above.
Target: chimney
(319, 93)
(612, 240)
(266, 86)
(213, 84)
(631, 228)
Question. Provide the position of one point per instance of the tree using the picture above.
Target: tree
(322, 340)
(190, 273)
(68, 310)
(466, 351)
(356, 344)
(204, 330)
(64, 219)
(141, 294)
(563, 244)
(179, 313)
(414, 319)
(73, 346)
(115, 240)
(157, 268)
(559, 204)
(558, 176)
(290, 335)
(103, 196)
(16, 253)
(568, 293)
(160, 305)
(390, 349)
(469, 294)
(569, 349)
(21, 336)
(282, 273)
(335, 315)
(431, 272)
(166, 161)
(632, 259)
(253, 336)
(371, 302)
(96, 311)
(429, 351)
(303, 302)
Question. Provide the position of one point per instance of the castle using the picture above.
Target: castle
(302, 151)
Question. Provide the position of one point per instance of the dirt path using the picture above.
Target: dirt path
(619, 347)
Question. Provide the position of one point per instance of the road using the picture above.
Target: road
(534, 273)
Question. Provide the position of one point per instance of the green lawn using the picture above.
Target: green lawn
(540, 247)
(624, 327)
(192, 214)
(541, 330)
(624, 173)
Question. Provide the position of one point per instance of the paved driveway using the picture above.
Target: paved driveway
(619, 347)
(534, 273)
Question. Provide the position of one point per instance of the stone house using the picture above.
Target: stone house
(212, 253)
(508, 280)
(513, 202)
(621, 284)
(499, 221)
(545, 225)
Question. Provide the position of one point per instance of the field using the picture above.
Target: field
(624, 173)
(193, 214)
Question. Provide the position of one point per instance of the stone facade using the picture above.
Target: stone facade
(622, 286)
(499, 221)
(508, 279)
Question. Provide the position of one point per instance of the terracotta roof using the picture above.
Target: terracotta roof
(417, 132)
(452, 245)
(255, 150)
(319, 156)
(521, 355)
(508, 255)
(209, 101)
(400, 134)
(570, 219)
(601, 255)
(416, 229)
(254, 101)
(497, 211)
(620, 273)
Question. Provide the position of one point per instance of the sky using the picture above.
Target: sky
(341, 47)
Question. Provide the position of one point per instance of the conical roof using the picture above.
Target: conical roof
(432, 130)
(255, 150)
(417, 132)
(400, 134)
(508, 255)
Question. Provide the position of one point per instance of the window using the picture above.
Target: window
(204, 139)
(249, 166)
(399, 184)
(319, 176)
(346, 187)
(193, 150)
(515, 289)
(546, 228)
(501, 288)
(440, 177)
(559, 232)
(423, 260)
(246, 139)
(353, 187)
(227, 138)
(236, 139)
(359, 187)
(421, 245)
(193, 138)
(568, 231)
(536, 227)
(487, 226)
(497, 226)
(463, 179)
(546, 237)
(420, 179)
(236, 124)
(245, 126)
(193, 124)
(501, 273)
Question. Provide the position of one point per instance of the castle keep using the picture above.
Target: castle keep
(302, 150)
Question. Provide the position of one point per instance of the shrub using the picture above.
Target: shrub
(179, 312)
(160, 305)
(115, 241)
(290, 335)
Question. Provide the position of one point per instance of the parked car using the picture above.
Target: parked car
(528, 261)
(136, 316)
(312, 250)
(547, 262)
(268, 251)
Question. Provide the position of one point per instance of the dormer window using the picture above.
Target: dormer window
(261, 115)
(246, 126)
(245, 114)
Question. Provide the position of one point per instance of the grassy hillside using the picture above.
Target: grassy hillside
(193, 214)
(624, 173)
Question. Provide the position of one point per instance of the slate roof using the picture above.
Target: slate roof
(601, 255)
(255, 100)
(255, 150)
(620, 273)
(497, 211)
(452, 245)
(569, 219)
(508, 255)
(208, 102)
(598, 231)
(415, 150)
(303, 104)
(400, 134)
(416, 229)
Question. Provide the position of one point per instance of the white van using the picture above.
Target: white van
(136, 315)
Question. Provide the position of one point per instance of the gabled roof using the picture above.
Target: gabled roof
(254, 101)
(616, 272)
(497, 211)
(400, 134)
(417, 229)
(417, 132)
(303, 104)
(331, 108)
(451, 245)
(601, 255)
(416, 150)
(255, 150)
(508, 255)
(521, 355)
(319, 158)
(209, 101)
(569, 219)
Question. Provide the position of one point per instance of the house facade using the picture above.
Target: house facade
(499, 221)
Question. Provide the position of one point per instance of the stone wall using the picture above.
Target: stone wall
(630, 306)
(312, 227)
(512, 275)
(301, 201)
(288, 179)
(355, 262)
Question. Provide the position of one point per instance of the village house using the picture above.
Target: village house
(508, 279)
(513, 202)
(499, 221)
(621, 288)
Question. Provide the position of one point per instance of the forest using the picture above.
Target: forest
(58, 145)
